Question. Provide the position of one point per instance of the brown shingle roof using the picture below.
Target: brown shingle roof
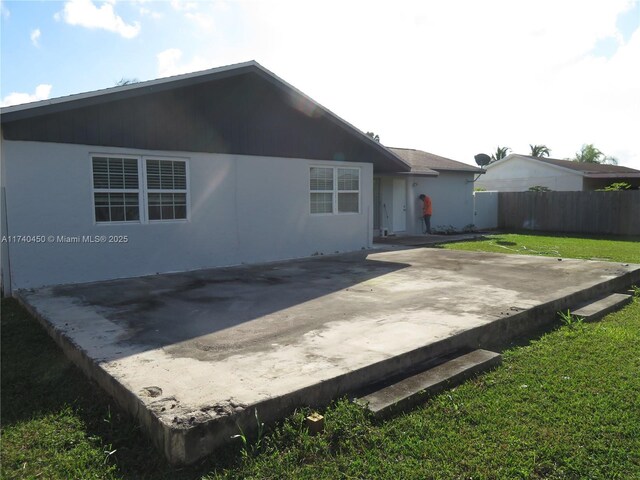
(585, 168)
(425, 162)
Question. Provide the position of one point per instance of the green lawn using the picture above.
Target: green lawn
(611, 249)
(565, 406)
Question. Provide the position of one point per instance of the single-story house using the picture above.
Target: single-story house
(517, 173)
(226, 166)
(449, 183)
(221, 167)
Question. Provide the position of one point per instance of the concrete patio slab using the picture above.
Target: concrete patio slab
(192, 355)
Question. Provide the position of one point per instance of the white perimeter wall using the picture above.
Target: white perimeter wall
(518, 174)
(244, 209)
(485, 210)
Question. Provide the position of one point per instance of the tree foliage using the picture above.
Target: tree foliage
(590, 154)
(539, 150)
(374, 136)
(500, 153)
(539, 188)
(615, 187)
(126, 81)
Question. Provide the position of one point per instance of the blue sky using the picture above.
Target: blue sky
(452, 78)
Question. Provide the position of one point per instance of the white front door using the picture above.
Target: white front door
(399, 205)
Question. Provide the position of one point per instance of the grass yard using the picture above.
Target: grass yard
(566, 406)
(610, 249)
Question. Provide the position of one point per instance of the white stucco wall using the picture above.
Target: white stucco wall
(243, 209)
(518, 174)
(452, 198)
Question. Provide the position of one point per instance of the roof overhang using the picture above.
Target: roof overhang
(420, 174)
(79, 100)
(613, 175)
(297, 98)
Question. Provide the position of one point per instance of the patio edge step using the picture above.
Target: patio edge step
(412, 390)
(594, 311)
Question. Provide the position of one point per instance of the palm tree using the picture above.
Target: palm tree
(539, 150)
(501, 152)
(590, 154)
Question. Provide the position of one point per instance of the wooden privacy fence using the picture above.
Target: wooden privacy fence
(614, 213)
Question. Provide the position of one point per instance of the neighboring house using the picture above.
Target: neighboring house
(517, 173)
(449, 184)
(227, 166)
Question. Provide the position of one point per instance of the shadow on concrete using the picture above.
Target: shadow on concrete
(232, 303)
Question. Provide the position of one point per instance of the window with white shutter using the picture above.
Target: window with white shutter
(334, 190)
(121, 193)
(116, 189)
(166, 189)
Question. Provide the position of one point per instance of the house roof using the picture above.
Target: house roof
(242, 108)
(425, 163)
(591, 170)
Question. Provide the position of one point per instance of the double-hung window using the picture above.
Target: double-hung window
(348, 190)
(334, 190)
(121, 193)
(322, 191)
(166, 189)
(116, 189)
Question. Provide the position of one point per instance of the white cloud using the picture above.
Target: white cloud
(184, 5)
(42, 92)
(4, 10)
(170, 63)
(146, 11)
(191, 11)
(201, 19)
(151, 13)
(35, 37)
(459, 78)
(85, 14)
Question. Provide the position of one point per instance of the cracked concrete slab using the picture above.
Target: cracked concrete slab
(191, 355)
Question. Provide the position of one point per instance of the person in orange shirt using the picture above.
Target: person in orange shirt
(427, 211)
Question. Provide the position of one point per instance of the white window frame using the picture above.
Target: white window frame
(338, 191)
(335, 192)
(110, 190)
(142, 190)
(147, 190)
(332, 191)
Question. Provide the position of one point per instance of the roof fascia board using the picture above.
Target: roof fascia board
(419, 174)
(613, 175)
(459, 170)
(288, 88)
(79, 100)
